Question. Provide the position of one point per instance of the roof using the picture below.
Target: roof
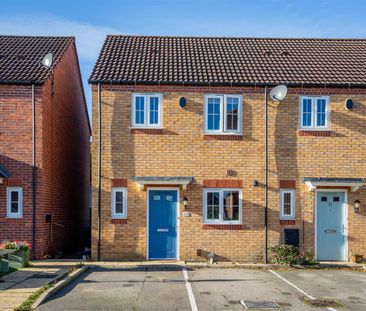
(3, 172)
(21, 56)
(231, 61)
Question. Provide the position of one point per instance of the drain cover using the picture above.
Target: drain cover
(259, 305)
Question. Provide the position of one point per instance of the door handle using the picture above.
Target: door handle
(163, 230)
(330, 230)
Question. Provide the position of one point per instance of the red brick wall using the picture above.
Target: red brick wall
(16, 156)
(62, 158)
(64, 173)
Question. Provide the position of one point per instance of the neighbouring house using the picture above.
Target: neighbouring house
(178, 151)
(44, 145)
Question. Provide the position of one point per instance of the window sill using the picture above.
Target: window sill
(287, 221)
(207, 136)
(119, 221)
(319, 133)
(150, 131)
(222, 226)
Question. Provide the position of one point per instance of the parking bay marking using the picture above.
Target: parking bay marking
(297, 288)
(192, 301)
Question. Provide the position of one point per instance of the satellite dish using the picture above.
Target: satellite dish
(47, 60)
(278, 93)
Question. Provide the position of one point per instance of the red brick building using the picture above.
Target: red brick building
(44, 145)
(179, 146)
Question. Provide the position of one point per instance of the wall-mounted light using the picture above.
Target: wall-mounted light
(182, 102)
(1, 180)
(255, 183)
(185, 203)
(356, 206)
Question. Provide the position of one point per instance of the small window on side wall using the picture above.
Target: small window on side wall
(287, 209)
(119, 203)
(14, 202)
(146, 110)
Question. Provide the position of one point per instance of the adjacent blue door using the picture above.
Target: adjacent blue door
(163, 224)
(331, 236)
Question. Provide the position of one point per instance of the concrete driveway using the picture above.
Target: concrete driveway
(171, 288)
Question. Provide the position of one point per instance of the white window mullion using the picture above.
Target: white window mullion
(315, 112)
(147, 110)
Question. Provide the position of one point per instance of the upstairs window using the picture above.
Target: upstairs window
(119, 203)
(314, 112)
(223, 114)
(146, 110)
(222, 206)
(287, 210)
(14, 202)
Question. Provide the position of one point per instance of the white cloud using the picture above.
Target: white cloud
(89, 38)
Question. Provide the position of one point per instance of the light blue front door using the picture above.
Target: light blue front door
(331, 236)
(163, 224)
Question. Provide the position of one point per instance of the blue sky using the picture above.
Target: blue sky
(89, 21)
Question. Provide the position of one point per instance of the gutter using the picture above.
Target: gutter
(34, 174)
(231, 84)
(99, 167)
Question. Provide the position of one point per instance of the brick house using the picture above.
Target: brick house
(44, 149)
(178, 155)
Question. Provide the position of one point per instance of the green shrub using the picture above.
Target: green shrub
(284, 254)
(290, 255)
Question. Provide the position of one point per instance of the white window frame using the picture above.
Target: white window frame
(223, 110)
(282, 207)
(313, 125)
(115, 215)
(146, 123)
(221, 208)
(9, 214)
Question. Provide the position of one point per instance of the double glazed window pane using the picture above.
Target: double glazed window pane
(14, 202)
(140, 110)
(154, 110)
(213, 205)
(320, 112)
(231, 205)
(119, 202)
(222, 205)
(213, 116)
(306, 112)
(287, 203)
(232, 113)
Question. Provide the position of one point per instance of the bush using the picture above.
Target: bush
(284, 254)
(17, 245)
(290, 255)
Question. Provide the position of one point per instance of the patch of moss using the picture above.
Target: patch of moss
(27, 305)
(322, 302)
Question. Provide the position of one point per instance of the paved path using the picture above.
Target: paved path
(16, 287)
(169, 287)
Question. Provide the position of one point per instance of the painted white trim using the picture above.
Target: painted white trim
(184, 183)
(221, 208)
(146, 97)
(345, 214)
(9, 214)
(312, 185)
(293, 204)
(223, 102)
(191, 298)
(115, 215)
(177, 223)
(313, 126)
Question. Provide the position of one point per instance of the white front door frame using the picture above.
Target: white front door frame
(345, 211)
(147, 218)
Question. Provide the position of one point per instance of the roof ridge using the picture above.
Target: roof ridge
(237, 37)
(36, 36)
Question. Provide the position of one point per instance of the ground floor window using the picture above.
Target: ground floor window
(222, 206)
(287, 210)
(119, 203)
(14, 202)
